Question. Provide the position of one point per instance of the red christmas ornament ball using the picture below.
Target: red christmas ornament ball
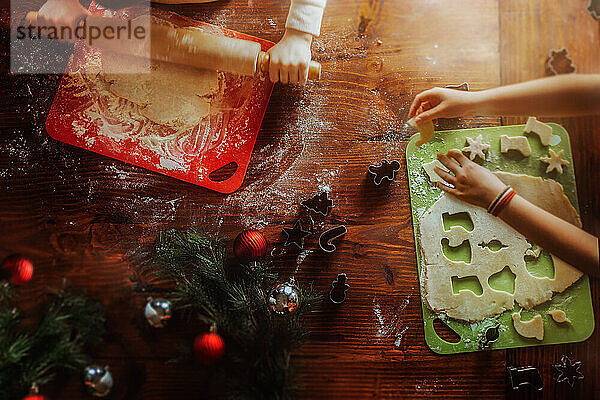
(250, 245)
(208, 348)
(17, 270)
(35, 397)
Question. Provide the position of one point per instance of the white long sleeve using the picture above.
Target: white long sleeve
(306, 16)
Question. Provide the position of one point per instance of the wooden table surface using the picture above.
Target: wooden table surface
(78, 215)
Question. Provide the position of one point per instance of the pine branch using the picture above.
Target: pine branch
(259, 342)
(69, 323)
(6, 291)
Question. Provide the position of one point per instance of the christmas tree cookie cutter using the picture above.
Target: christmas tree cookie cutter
(385, 170)
(560, 62)
(319, 203)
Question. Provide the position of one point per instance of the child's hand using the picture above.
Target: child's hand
(62, 13)
(472, 183)
(290, 57)
(443, 103)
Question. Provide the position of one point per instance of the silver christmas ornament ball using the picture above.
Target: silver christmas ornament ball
(285, 298)
(158, 312)
(98, 380)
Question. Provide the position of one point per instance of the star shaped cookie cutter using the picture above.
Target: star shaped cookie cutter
(295, 235)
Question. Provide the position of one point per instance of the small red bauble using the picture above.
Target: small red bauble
(34, 393)
(250, 245)
(208, 348)
(17, 270)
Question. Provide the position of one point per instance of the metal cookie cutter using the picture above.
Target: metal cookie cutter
(320, 203)
(560, 62)
(385, 171)
(594, 9)
(490, 335)
(567, 371)
(339, 287)
(519, 377)
(295, 235)
(327, 237)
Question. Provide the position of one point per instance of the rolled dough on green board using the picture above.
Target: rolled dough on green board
(437, 270)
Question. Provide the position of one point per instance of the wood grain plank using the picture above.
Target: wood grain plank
(78, 215)
(529, 31)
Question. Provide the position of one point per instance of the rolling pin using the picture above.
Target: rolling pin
(184, 46)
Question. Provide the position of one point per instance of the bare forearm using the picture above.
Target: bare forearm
(564, 240)
(558, 96)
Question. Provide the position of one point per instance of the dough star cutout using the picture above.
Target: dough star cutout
(476, 147)
(295, 235)
(554, 161)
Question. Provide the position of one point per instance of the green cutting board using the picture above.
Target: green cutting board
(575, 301)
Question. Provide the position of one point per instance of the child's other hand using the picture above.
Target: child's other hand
(290, 57)
(443, 103)
(472, 183)
(62, 13)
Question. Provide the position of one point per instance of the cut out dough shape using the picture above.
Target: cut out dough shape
(437, 270)
(426, 130)
(476, 147)
(559, 316)
(554, 161)
(544, 131)
(533, 328)
(429, 169)
(518, 143)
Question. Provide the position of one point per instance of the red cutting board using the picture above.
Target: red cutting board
(81, 117)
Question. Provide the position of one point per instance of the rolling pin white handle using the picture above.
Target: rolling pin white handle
(264, 60)
(194, 48)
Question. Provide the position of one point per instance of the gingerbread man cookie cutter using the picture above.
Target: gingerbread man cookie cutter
(383, 171)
